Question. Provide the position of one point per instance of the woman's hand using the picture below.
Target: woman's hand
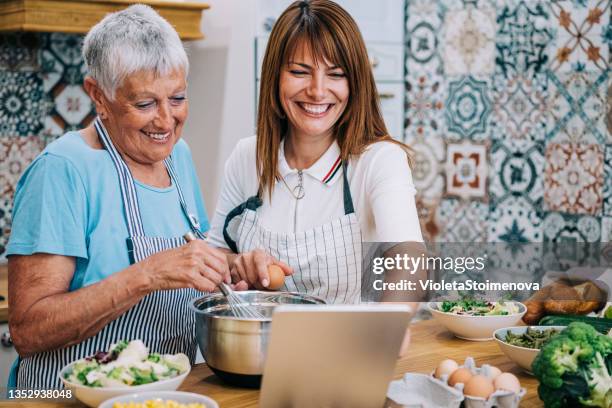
(194, 265)
(252, 268)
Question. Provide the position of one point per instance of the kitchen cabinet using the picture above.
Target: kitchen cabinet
(382, 26)
(76, 16)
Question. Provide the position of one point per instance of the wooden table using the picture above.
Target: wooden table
(430, 344)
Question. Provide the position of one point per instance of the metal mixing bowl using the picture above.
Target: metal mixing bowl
(235, 348)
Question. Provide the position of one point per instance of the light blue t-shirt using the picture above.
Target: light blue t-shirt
(68, 202)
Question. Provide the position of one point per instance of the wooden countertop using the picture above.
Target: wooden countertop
(430, 344)
(4, 292)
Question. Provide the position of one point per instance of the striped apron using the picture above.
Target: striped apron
(162, 319)
(326, 259)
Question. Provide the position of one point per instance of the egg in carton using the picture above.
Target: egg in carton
(499, 398)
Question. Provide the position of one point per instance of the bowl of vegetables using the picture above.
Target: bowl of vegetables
(476, 320)
(125, 368)
(522, 344)
(160, 399)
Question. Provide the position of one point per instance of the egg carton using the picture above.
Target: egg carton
(425, 391)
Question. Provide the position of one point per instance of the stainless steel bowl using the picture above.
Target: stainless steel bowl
(235, 348)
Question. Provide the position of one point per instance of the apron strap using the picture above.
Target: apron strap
(253, 203)
(128, 189)
(346, 193)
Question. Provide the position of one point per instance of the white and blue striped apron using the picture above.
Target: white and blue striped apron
(326, 259)
(162, 319)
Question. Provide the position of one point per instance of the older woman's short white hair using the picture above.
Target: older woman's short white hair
(132, 40)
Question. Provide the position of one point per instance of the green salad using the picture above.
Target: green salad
(126, 364)
(472, 307)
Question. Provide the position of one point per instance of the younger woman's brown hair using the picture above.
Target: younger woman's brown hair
(332, 35)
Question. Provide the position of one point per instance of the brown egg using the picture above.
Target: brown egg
(508, 382)
(479, 386)
(277, 277)
(446, 367)
(460, 375)
(493, 372)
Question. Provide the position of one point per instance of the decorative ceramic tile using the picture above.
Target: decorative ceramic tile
(468, 108)
(19, 51)
(462, 221)
(565, 227)
(580, 42)
(16, 153)
(424, 105)
(520, 107)
(6, 208)
(607, 187)
(514, 220)
(23, 104)
(466, 170)
(516, 169)
(428, 166)
(606, 229)
(578, 107)
(73, 105)
(524, 33)
(422, 38)
(469, 41)
(573, 180)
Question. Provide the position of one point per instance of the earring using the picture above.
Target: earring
(102, 115)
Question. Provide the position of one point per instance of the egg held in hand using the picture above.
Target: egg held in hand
(277, 277)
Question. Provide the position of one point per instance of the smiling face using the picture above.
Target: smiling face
(146, 117)
(313, 94)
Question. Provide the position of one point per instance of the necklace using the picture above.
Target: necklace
(298, 191)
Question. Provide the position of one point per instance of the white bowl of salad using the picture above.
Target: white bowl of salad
(476, 320)
(125, 368)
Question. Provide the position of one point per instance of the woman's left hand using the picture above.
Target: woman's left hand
(252, 267)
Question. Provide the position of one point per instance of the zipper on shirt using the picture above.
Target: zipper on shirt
(295, 209)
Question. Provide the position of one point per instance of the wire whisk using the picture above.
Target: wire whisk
(237, 306)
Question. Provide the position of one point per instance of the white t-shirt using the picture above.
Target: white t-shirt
(380, 182)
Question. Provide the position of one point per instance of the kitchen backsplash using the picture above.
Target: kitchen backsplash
(507, 107)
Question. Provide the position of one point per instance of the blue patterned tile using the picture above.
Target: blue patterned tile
(19, 51)
(520, 107)
(607, 187)
(468, 108)
(524, 34)
(462, 221)
(23, 104)
(423, 25)
(559, 227)
(578, 107)
(516, 171)
(515, 220)
(606, 229)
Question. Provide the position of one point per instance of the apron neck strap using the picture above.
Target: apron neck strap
(128, 188)
(346, 193)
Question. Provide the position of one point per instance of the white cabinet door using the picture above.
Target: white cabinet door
(392, 105)
(7, 357)
(379, 21)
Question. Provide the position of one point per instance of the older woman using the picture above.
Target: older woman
(96, 252)
(322, 175)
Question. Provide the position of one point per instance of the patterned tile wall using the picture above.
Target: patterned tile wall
(41, 97)
(508, 108)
